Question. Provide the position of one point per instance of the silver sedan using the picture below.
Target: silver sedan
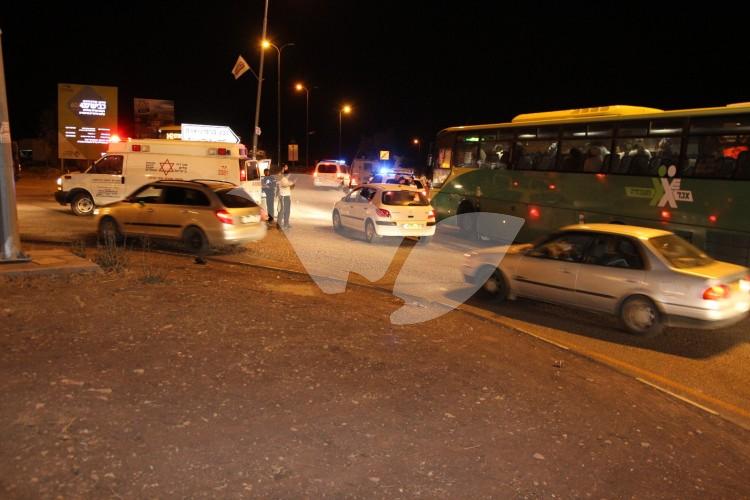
(649, 278)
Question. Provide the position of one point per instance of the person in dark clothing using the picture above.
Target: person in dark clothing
(268, 183)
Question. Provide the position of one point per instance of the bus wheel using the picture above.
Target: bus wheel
(640, 316)
(82, 204)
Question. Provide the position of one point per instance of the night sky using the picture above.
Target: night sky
(408, 68)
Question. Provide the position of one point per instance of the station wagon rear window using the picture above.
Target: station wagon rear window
(235, 198)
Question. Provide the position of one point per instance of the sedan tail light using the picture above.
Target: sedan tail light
(382, 212)
(224, 216)
(717, 292)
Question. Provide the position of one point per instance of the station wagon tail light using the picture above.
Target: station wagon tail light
(224, 216)
(382, 212)
(717, 292)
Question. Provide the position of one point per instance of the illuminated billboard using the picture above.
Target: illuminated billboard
(150, 115)
(86, 118)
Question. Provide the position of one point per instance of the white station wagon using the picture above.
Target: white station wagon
(385, 210)
(648, 277)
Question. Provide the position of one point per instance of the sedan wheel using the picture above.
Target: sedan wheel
(337, 222)
(496, 287)
(108, 231)
(370, 234)
(640, 316)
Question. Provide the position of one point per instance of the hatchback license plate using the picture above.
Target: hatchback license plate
(247, 219)
(412, 226)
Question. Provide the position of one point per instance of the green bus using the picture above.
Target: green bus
(687, 171)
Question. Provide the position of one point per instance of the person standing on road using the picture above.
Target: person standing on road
(268, 184)
(285, 194)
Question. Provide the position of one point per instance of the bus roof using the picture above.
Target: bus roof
(603, 113)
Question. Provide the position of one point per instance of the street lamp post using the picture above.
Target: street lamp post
(345, 109)
(279, 50)
(299, 87)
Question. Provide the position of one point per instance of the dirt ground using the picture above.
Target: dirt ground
(173, 379)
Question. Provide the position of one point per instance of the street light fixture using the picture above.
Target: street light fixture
(266, 44)
(418, 144)
(299, 88)
(345, 109)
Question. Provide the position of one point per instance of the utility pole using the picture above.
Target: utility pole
(260, 87)
(10, 242)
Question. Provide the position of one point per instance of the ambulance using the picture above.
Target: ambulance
(130, 164)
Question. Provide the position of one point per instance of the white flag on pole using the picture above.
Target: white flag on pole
(240, 67)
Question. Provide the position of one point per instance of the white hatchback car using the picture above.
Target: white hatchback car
(385, 210)
(648, 277)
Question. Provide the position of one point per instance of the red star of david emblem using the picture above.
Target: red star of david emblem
(166, 167)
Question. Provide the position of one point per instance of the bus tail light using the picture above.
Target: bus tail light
(712, 219)
(666, 214)
(717, 292)
(534, 213)
(382, 212)
(224, 216)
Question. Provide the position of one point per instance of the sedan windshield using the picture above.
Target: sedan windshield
(405, 198)
(679, 252)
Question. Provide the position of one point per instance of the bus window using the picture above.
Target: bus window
(494, 154)
(465, 151)
(534, 155)
(644, 155)
(727, 124)
(572, 154)
(715, 156)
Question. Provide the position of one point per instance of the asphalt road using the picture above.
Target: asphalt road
(711, 368)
